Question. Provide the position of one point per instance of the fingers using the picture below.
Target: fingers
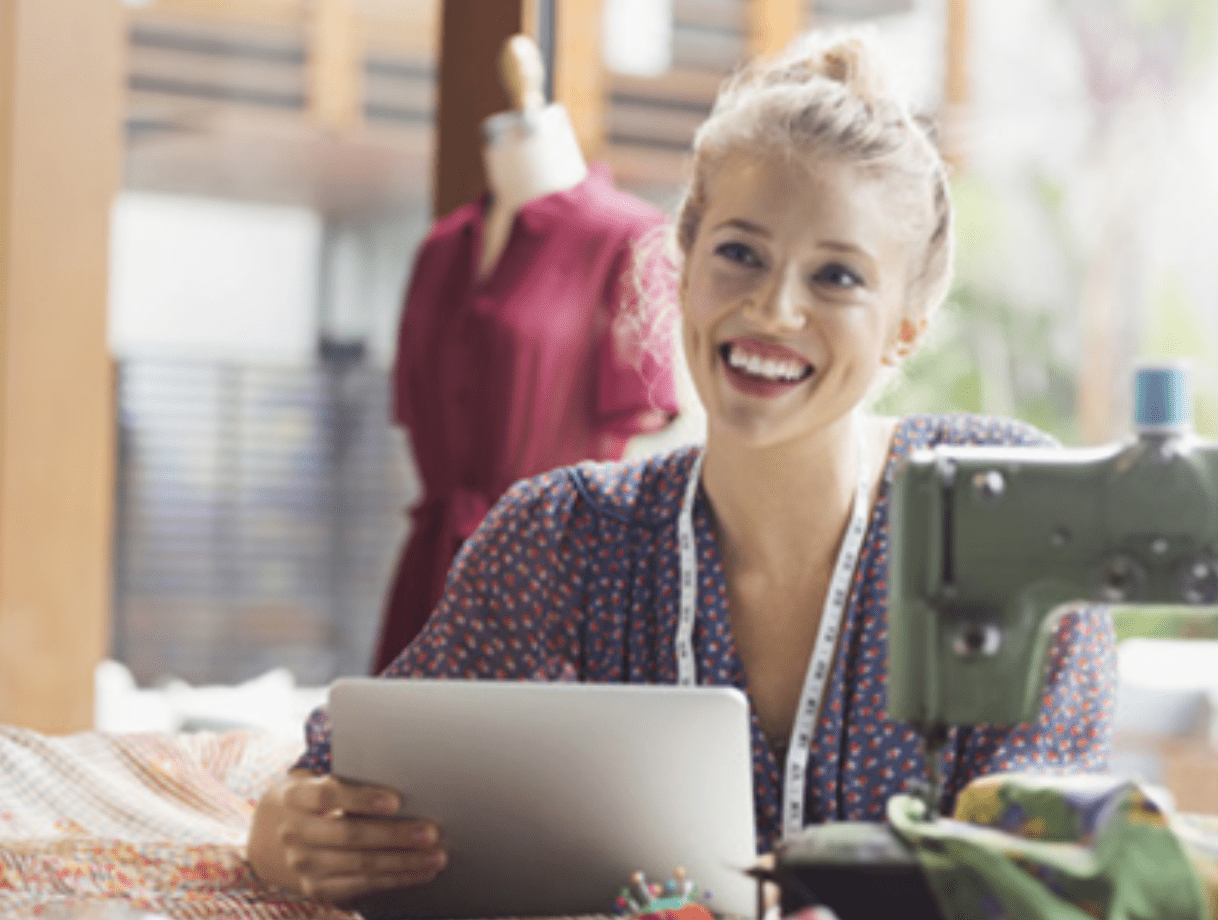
(341, 840)
(338, 889)
(321, 795)
(369, 863)
(352, 832)
(337, 875)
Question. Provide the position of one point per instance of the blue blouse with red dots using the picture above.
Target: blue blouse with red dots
(574, 576)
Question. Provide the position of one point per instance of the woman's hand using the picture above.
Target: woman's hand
(333, 841)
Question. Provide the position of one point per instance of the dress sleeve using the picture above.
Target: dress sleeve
(1073, 732)
(635, 389)
(969, 430)
(510, 608)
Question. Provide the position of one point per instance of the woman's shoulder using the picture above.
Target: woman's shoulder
(646, 491)
(966, 429)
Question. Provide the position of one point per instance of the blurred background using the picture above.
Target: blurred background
(210, 211)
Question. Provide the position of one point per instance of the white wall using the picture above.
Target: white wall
(366, 265)
(213, 280)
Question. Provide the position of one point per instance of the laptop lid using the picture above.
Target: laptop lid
(549, 795)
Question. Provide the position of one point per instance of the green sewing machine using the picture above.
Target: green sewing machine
(988, 548)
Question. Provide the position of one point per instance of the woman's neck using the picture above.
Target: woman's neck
(781, 511)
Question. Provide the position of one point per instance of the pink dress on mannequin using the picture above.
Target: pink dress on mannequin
(517, 373)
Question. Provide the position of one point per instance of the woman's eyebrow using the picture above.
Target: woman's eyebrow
(741, 224)
(841, 246)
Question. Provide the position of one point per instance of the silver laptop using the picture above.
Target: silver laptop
(549, 795)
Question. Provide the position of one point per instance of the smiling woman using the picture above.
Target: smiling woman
(815, 243)
(798, 280)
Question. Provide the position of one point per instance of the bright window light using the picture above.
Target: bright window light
(638, 37)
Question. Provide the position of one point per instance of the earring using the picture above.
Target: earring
(899, 350)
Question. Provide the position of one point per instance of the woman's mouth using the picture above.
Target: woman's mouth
(763, 369)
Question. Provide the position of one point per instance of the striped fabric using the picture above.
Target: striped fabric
(153, 822)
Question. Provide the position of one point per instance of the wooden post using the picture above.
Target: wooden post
(530, 19)
(1098, 301)
(954, 123)
(579, 74)
(61, 91)
(336, 66)
(773, 24)
(472, 33)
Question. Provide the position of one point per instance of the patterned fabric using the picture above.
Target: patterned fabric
(151, 822)
(573, 576)
(1054, 848)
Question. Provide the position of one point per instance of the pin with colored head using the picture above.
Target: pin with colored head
(677, 896)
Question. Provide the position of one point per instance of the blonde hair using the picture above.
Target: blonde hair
(830, 97)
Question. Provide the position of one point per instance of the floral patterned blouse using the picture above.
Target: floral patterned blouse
(574, 576)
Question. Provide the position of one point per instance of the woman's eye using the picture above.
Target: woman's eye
(837, 275)
(739, 253)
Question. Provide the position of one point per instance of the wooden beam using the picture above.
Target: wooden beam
(270, 12)
(956, 82)
(773, 24)
(472, 33)
(336, 66)
(579, 74)
(530, 19)
(61, 86)
(954, 122)
(411, 28)
(8, 85)
(1103, 316)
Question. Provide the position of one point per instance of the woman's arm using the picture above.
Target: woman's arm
(333, 841)
(506, 614)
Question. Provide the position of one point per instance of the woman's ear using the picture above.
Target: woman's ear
(909, 333)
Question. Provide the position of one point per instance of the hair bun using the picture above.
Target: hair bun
(853, 59)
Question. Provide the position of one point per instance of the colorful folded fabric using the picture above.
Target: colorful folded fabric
(108, 825)
(1037, 847)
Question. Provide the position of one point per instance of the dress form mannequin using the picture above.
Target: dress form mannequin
(508, 364)
(528, 152)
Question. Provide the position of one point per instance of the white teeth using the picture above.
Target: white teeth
(768, 368)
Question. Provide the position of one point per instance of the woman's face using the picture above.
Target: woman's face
(793, 295)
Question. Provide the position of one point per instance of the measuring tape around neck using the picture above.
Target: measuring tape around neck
(821, 662)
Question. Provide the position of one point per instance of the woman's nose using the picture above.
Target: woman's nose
(783, 304)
